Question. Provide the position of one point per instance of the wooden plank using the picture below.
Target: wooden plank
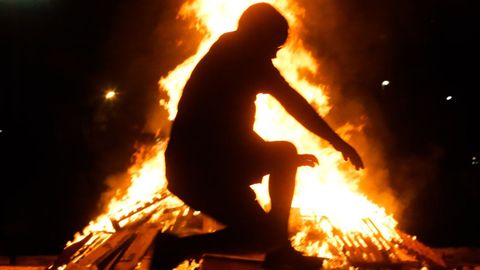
(69, 251)
(133, 255)
(97, 257)
(74, 266)
(109, 263)
(146, 260)
(223, 262)
(422, 250)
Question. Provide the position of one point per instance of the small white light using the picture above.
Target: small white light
(474, 158)
(110, 94)
(449, 97)
(385, 83)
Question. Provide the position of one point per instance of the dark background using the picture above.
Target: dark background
(60, 139)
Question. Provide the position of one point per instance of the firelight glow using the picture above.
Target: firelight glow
(327, 196)
(330, 189)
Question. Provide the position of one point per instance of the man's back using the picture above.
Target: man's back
(218, 101)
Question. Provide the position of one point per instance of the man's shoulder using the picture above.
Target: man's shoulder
(225, 39)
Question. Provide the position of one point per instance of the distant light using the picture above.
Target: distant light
(449, 97)
(385, 83)
(110, 94)
(475, 161)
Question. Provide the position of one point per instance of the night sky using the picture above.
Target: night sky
(60, 139)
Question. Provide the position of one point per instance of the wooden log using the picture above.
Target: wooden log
(373, 250)
(232, 262)
(69, 251)
(133, 255)
(74, 266)
(422, 251)
(99, 257)
(140, 208)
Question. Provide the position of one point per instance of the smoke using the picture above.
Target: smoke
(356, 46)
(137, 50)
(140, 50)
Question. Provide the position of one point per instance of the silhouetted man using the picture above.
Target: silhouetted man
(214, 155)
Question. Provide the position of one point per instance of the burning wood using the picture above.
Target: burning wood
(323, 222)
(137, 249)
(127, 248)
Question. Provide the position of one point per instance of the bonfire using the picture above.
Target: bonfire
(331, 218)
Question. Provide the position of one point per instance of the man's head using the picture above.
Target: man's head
(265, 27)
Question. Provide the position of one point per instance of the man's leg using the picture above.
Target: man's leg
(245, 221)
(248, 229)
(282, 183)
(281, 189)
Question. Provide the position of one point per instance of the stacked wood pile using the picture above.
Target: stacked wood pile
(129, 246)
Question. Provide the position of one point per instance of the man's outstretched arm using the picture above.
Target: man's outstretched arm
(304, 113)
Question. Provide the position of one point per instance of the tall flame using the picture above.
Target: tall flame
(327, 195)
(329, 190)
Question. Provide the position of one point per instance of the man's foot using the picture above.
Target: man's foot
(287, 258)
(166, 254)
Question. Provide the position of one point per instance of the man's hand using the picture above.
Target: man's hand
(307, 160)
(349, 153)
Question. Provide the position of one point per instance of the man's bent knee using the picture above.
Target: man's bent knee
(283, 151)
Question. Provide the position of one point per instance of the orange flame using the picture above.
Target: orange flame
(328, 190)
(327, 195)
